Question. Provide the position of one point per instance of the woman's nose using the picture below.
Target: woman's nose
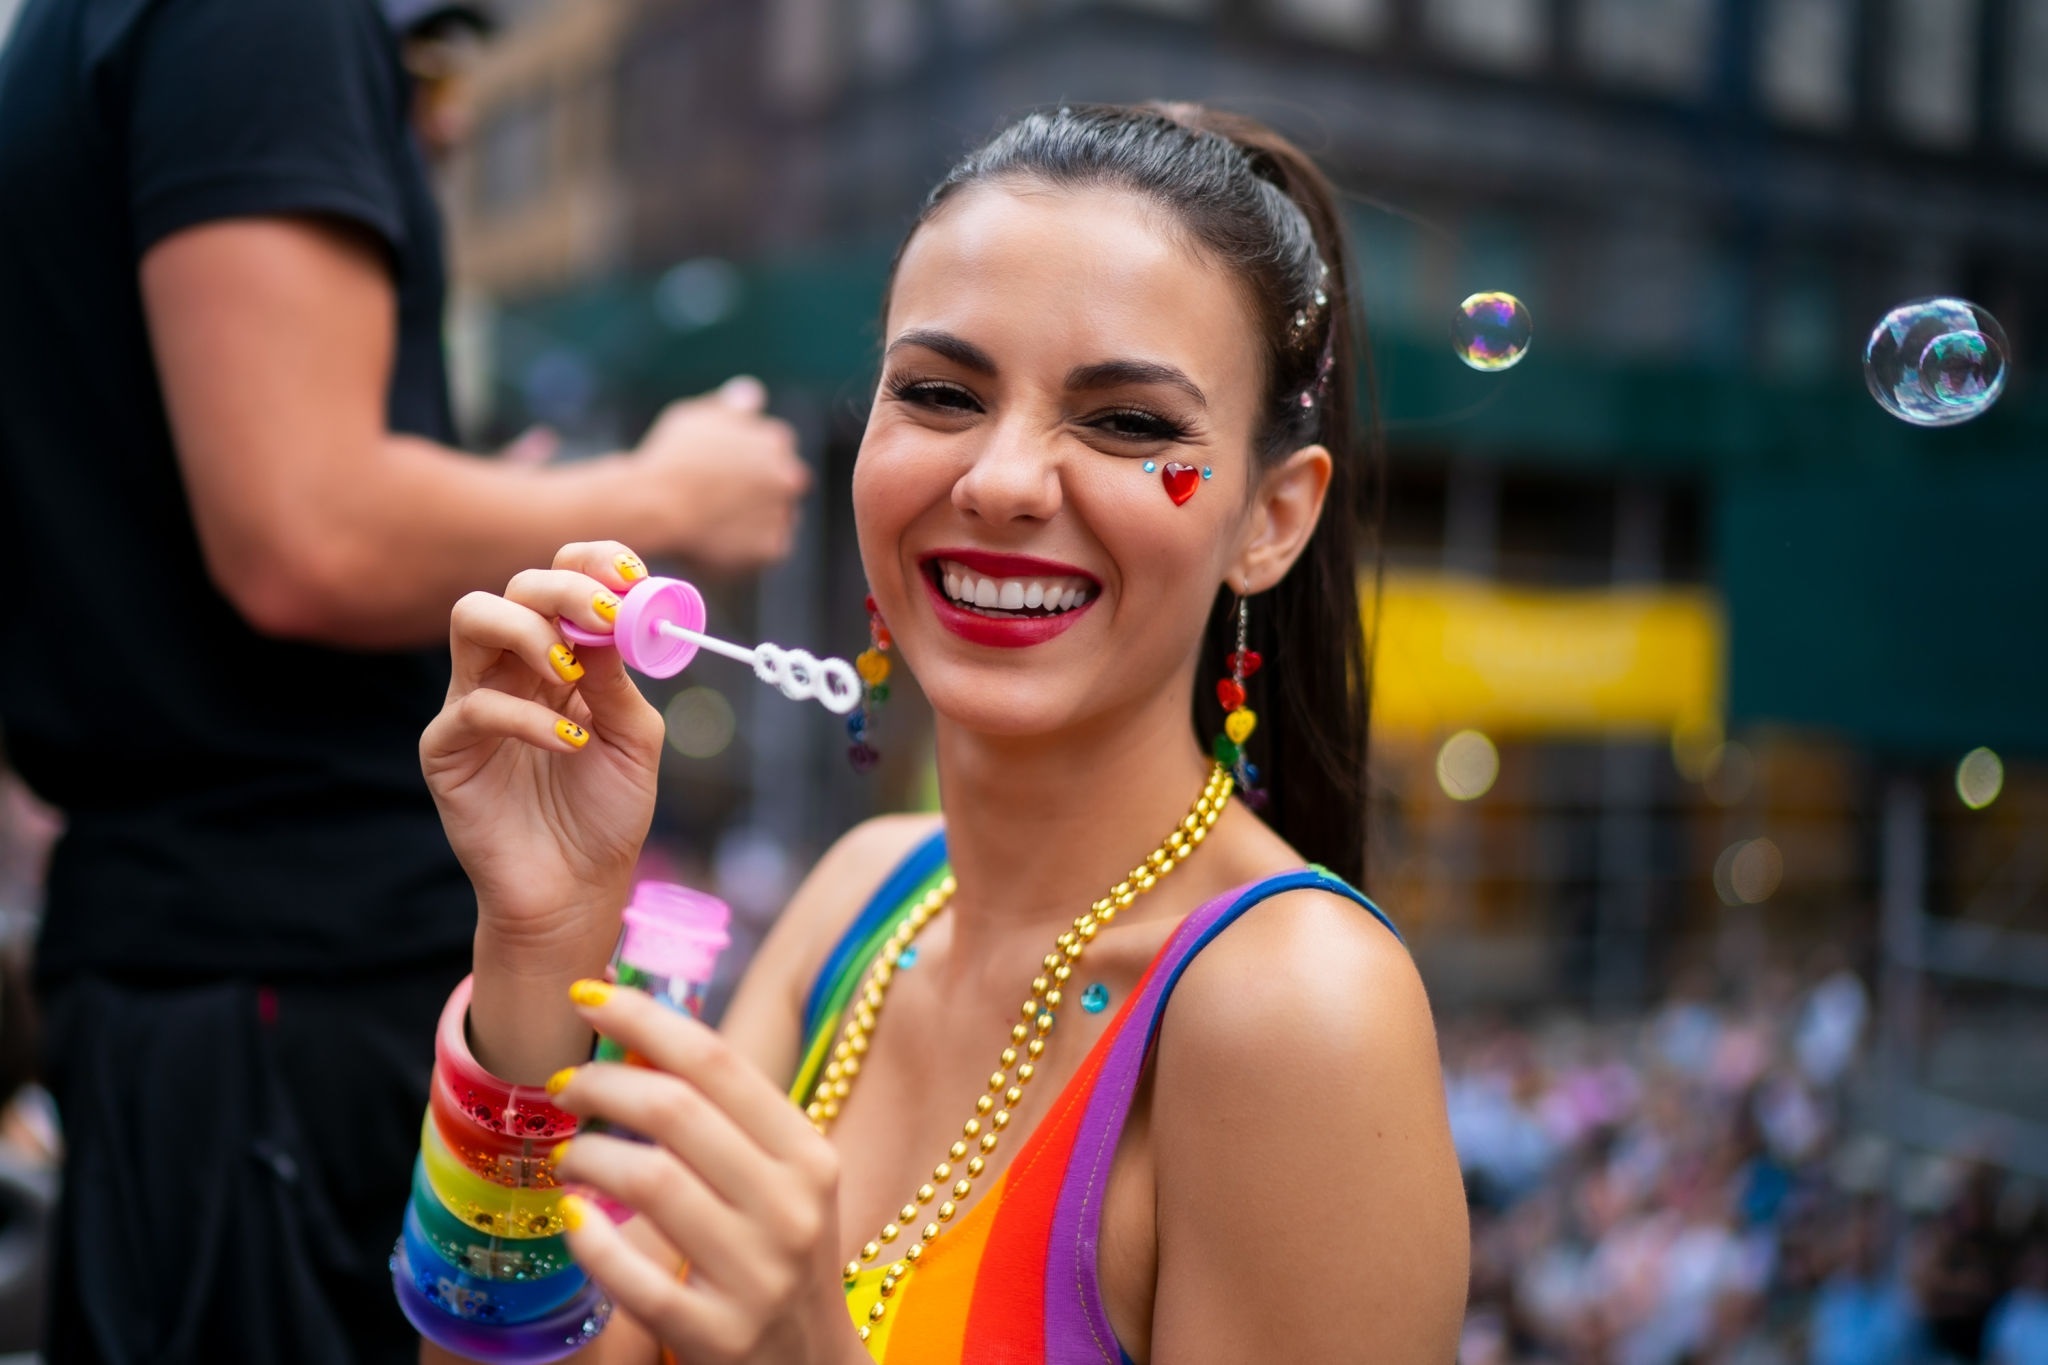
(1015, 475)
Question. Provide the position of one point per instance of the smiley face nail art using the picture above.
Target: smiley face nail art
(572, 733)
(563, 660)
(606, 606)
(630, 568)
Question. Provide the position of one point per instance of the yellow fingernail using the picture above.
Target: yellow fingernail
(630, 568)
(572, 1212)
(590, 992)
(559, 1082)
(563, 660)
(571, 732)
(605, 605)
(561, 1149)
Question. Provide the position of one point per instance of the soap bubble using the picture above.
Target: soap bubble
(1491, 331)
(1936, 362)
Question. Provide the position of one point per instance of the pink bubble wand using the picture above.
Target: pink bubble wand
(660, 628)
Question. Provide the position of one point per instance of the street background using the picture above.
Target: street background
(1711, 759)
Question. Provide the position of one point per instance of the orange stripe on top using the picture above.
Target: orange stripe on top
(983, 1279)
(1006, 1321)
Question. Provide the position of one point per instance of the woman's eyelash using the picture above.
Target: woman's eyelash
(1128, 424)
(930, 393)
(1143, 425)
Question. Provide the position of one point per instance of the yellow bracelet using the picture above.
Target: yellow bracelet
(482, 1204)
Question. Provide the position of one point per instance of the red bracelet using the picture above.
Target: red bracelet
(522, 1163)
(514, 1111)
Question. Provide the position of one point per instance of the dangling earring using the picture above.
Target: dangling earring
(1239, 720)
(873, 667)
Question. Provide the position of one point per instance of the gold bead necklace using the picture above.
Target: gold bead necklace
(992, 1110)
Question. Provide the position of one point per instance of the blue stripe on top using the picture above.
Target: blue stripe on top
(887, 902)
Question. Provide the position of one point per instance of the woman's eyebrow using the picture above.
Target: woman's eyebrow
(956, 349)
(1110, 374)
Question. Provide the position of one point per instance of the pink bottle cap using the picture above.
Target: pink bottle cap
(675, 932)
(637, 635)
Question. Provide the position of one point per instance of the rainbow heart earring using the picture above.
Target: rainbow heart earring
(873, 667)
(1239, 720)
(1180, 479)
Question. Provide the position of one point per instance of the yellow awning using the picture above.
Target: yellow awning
(1454, 652)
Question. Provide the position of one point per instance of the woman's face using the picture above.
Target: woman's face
(1041, 347)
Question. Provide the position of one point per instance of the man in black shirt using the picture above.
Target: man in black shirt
(227, 497)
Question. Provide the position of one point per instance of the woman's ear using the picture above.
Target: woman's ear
(1284, 515)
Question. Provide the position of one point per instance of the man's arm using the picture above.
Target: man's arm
(274, 338)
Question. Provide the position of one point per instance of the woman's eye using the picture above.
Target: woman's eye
(933, 394)
(1138, 425)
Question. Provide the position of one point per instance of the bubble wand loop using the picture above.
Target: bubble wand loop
(660, 628)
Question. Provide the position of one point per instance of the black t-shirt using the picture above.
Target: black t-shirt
(237, 804)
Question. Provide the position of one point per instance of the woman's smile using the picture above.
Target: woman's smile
(1008, 601)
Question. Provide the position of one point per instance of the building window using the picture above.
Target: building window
(1931, 75)
(1352, 22)
(1805, 60)
(1504, 35)
(512, 158)
(1665, 46)
(2028, 81)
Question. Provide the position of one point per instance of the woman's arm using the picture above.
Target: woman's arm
(1310, 1205)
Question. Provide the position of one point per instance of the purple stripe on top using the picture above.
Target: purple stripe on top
(1077, 1326)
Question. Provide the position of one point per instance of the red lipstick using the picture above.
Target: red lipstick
(1002, 632)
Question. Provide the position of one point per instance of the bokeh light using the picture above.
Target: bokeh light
(698, 293)
(1936, 362)
(1467, 765)
(1491, 331)
(1748, 872)
(1980, 777)
(700, 722)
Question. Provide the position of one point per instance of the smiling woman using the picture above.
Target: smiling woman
(1110, 482)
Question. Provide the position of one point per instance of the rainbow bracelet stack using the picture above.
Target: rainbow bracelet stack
(482, 1268)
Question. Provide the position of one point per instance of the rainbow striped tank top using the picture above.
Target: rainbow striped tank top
(1014, 1278)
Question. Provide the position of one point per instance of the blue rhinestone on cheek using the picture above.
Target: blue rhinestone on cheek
(1151, 466)
(907, 958)
(1096, 998)
(1207, 472)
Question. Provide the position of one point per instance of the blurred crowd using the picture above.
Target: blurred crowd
(1690, 1187)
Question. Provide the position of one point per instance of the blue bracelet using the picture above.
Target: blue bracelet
(561, 1333)
(477, 1298)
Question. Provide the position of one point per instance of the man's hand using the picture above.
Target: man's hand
(721, 480)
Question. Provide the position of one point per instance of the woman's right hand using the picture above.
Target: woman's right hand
(543, 764)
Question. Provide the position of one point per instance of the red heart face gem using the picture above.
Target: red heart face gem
(1242, 663)
(1230, 692)
(1181, 480)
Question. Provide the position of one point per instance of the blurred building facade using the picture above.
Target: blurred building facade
(1726, 628)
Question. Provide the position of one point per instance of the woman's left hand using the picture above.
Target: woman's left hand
(734, 1177)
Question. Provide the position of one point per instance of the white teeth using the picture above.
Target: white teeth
(1011, 594)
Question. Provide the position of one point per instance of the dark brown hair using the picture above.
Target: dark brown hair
(1252, 200)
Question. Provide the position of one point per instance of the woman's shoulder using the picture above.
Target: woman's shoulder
(1304, 988)
(1303, 1156)
(766, 1015)
(839, 887)
(1307, 962)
